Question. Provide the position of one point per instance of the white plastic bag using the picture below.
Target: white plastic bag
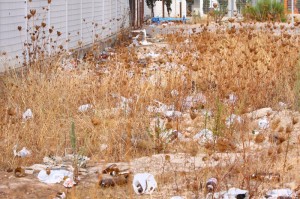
(144, 183)
(27, 115)
(55, 176)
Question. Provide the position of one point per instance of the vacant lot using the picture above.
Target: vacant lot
(142, 101)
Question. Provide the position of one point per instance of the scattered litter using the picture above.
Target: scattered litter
(114, 176)
(203, 136)
(55, 176)
(27, 114)
(144, 183)
(232, 119)
(69, 182)
(84, 108)
(19, 172)
(60, 195)
(22, 153)
(176, 197)
(276, 193)
(232, 193)
(263, 123)
(211, 184)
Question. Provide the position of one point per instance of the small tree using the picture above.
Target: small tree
(151, 4)
(168, 4)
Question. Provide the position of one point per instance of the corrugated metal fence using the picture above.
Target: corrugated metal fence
(81, 21)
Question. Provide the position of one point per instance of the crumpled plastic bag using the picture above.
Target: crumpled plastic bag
(144, 183)
(27, 115)
(84, 108)
(24, 152)
(55, 176)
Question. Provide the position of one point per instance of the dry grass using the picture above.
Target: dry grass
(257, 67)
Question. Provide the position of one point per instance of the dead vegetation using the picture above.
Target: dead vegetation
(237, 70)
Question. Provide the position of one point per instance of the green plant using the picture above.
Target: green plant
(265, 10)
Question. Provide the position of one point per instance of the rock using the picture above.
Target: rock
(263, 123)
(260, 113)
(205, 135)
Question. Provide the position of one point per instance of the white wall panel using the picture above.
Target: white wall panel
(75, 19)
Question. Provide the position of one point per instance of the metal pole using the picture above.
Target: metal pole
(292, 12)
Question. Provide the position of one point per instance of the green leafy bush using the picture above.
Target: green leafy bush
(265, 10)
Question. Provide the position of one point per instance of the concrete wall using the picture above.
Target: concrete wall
(75, 19)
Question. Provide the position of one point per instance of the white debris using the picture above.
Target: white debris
(206, 113)
(22, 153)
(55, 176)
(27, 114)
(260, 113)
(263, 123)
(173, 113)
(144, 183)
(232, 119)
(69, 182)
(235, 192)
(176, 197)
(152, 55)
(231, 99)
(84, 108)
(203, 136)
(276, 193)
(232, 193)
